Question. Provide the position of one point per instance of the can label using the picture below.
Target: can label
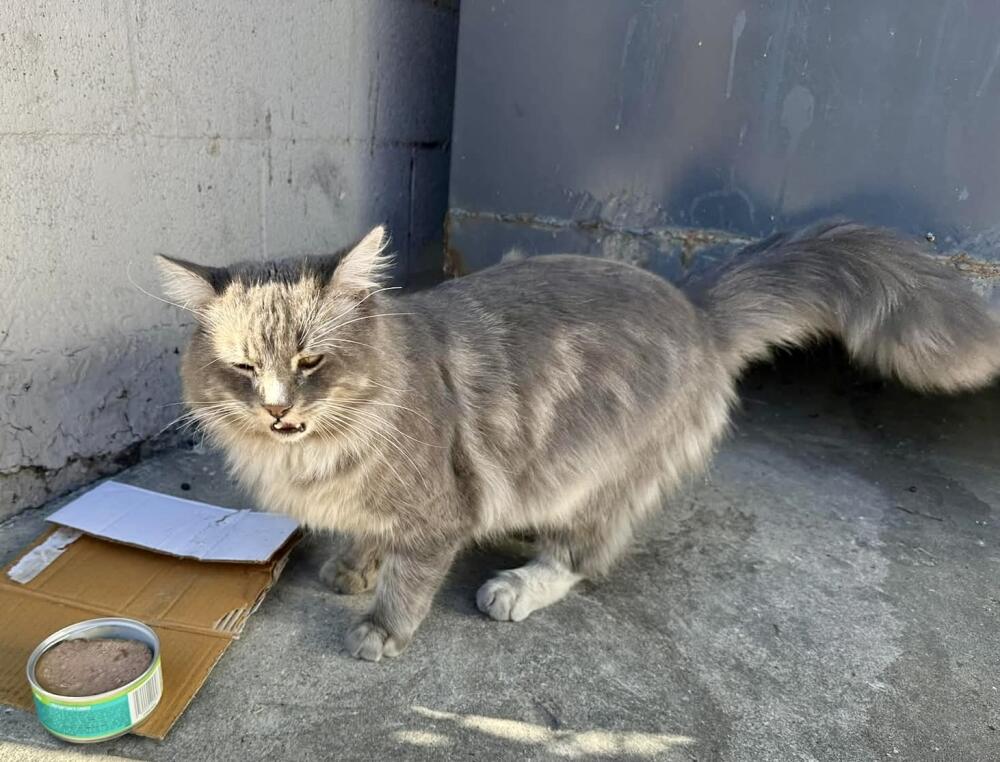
(86, 721)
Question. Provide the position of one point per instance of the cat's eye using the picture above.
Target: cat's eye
(308, 362)
(243, 367)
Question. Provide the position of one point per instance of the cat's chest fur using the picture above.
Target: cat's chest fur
(320, 487)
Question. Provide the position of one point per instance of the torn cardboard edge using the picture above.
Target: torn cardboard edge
(197, 607)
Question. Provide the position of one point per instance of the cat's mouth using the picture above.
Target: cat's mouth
(286, 429)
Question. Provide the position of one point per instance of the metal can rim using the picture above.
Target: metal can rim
(79, 628)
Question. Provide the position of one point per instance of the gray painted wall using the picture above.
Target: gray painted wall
(214, 131)
(645, 129)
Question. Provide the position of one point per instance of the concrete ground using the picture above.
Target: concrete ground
(829, 591)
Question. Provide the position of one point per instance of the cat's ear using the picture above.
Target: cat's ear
(365, 267)
(188, 284)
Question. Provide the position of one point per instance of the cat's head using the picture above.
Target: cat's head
(283, 350)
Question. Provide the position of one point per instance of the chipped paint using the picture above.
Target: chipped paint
(636, 245)
(474, 240)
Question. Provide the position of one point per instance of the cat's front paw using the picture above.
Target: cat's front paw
(367, 640)
(346, 580)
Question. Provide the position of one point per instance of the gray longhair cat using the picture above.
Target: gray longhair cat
(561, 395)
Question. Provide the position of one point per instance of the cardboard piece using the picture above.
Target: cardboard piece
(173, 525)
(197, 608)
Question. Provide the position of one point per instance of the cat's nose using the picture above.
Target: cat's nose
(277, 410)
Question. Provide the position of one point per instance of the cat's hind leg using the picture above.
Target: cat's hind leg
(354, 569)
(600, 532)
(513, 594)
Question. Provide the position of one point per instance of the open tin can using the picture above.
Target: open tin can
(89, 719)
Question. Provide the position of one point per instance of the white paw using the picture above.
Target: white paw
(503, 599)
(512, 595)
(498, 599)
(368, 641)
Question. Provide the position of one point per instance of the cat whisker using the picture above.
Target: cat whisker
(229, 420)
(210, 362)
(324, 325)
(379, 403)
(328, 321)
(392, 442)
(247, 425)
(128, 274)
(202, 415)
(195, 402)
(354, 427)
(368, 426)
(371, 414)
(320, 345)
(388, 388)
(331, 329)
(173, 423)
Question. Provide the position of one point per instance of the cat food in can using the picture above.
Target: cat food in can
(105, 715)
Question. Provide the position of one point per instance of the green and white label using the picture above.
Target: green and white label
(85, 721)
(88, 721)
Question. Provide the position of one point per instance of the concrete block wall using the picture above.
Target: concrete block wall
(220, 131)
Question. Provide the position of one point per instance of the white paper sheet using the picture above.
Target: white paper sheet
(174, 525)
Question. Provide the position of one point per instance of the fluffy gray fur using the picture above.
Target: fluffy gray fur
(562, 395)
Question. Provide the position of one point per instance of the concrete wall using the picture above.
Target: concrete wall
(214, 131)
(644, 129)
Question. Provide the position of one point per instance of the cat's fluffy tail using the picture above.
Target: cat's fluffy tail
(895, 308)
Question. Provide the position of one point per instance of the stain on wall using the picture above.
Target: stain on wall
(656, 118)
